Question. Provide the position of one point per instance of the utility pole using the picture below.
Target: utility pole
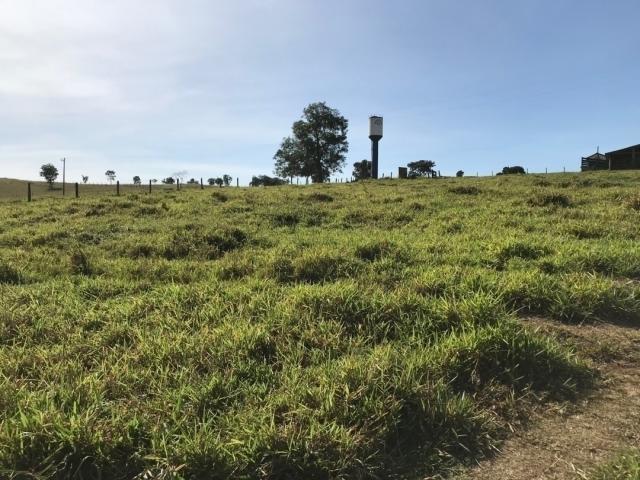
(64, 169)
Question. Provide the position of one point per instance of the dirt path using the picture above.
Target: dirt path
(568, 444)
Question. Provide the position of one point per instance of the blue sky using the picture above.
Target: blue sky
(154, 87)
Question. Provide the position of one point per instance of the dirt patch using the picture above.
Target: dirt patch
(568, 442)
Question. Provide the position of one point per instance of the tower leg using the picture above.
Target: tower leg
(374, 158)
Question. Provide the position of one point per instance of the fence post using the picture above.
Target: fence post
(149, 186)
(391, 175)
(29, 192)
(77, 193)
(545, 171)
(237, 181)
(177, 184)
(201, 184)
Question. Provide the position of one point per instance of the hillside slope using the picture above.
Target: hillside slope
(338, 331)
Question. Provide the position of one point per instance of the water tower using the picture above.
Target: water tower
(375, 134)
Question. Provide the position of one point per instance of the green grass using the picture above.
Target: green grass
(338, 331)
(625, 466)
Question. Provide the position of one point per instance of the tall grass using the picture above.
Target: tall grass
(339, 331)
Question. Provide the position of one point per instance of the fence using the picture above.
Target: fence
(16, 189)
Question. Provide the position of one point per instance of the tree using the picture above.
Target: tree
(49, 172)
(289, 160)
(317, 147)
(219, 181)
(227, 179)
(513, 170)
(85, 178)
(111, 175)
(421, 168)
(168, 181)
(211, 181)
(459, 173)
(136, 180)
(362, 170)
(192, 181)
(154, 180)
(265, 180)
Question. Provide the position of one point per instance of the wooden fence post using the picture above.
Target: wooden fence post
(201, 184)
(149, 186)
(237, 181)
(29, 192)
(118, 188)
(77, 192)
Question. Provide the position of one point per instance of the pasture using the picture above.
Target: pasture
(368, 330)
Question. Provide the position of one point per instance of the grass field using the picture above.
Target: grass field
(625, 466)
(354, 331)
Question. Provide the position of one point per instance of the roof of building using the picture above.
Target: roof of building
(632, 147)
(596, 156)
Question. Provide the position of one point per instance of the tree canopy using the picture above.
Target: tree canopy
(267, 181)
(421, 168)
(49, 172)
(317, 147)
(362, 170)
(513, 170)
(111, 175)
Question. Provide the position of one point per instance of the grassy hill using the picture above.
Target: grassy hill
(349, 331)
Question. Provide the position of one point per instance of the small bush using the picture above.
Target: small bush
(550, 200)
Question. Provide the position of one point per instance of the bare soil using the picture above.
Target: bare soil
(567, 442)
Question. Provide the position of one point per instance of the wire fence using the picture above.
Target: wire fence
(23, 190)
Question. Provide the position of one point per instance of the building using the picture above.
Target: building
(623, 159)
(597, 161)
